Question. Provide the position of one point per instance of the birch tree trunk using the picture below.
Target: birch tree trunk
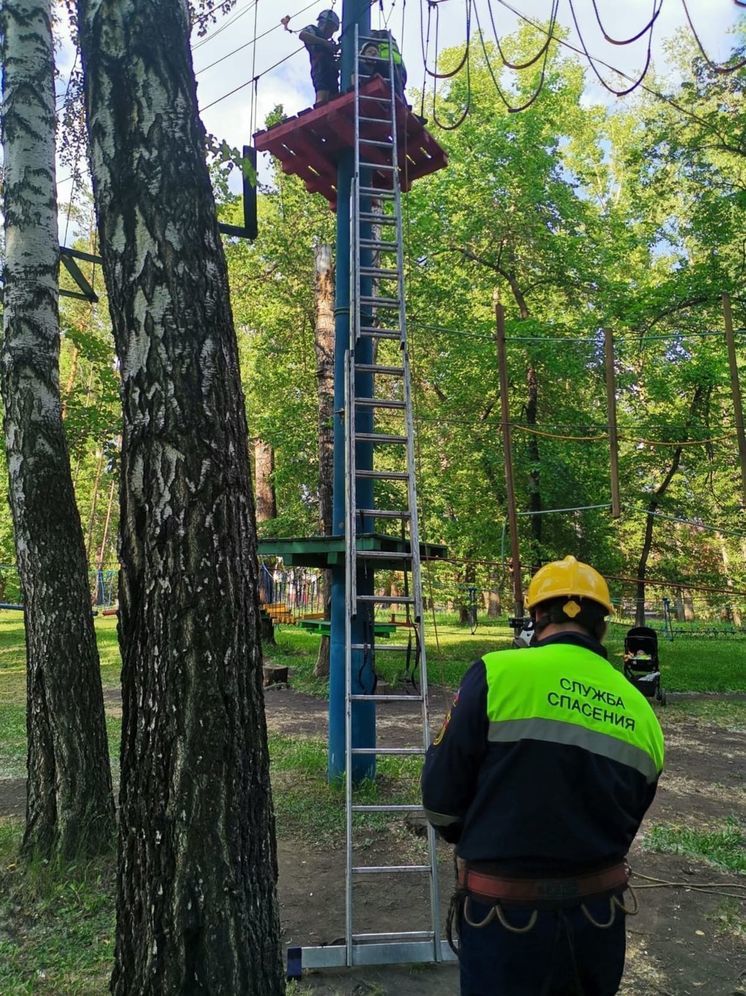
(324, 345)
(69, 808)
(196, 900)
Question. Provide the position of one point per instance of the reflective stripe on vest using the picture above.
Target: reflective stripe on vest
(565, 694)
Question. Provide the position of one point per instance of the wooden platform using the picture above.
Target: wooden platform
(329, 551)
(323, 626)
(310, 144)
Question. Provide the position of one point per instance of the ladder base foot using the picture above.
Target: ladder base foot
(398, 953)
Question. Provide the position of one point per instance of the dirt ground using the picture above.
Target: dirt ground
(676, 946)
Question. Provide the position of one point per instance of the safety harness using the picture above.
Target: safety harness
(537, 895)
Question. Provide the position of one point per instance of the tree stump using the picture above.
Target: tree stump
(275, 674)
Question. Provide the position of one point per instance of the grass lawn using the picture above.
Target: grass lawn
(56, 924)
(688, 664)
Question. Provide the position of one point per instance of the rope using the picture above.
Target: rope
(720, 70)
(542, 50)
(602, 81)
(626, 439)
(465, 58)
(708, 888)
(648, 89)
(512, 109)
(634, 38)
(465, 61)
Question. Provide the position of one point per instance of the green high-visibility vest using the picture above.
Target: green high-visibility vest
(565, 694)
(383, 51)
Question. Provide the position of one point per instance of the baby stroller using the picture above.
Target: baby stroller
(641, 664)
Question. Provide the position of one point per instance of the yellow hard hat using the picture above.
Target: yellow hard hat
(567, 577)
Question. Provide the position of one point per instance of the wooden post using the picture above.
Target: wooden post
(508, 447)
(616, 508)
(736, 391)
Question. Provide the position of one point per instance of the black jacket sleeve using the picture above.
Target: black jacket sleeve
(452, 763)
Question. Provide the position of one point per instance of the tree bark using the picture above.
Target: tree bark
(534, 474)
(264, 463)
(196, 895)
(324, 344)
(650, 521)
(69, 807)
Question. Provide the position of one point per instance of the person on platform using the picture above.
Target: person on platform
(541, 775)
(323, 53)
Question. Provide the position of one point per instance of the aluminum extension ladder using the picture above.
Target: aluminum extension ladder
(377, 314)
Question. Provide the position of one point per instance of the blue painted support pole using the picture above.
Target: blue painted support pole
(363, 713)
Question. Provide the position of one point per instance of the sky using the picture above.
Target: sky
(225, 60)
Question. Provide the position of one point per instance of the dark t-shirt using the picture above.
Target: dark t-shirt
(324, 68)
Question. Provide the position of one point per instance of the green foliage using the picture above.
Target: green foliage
(724, 847)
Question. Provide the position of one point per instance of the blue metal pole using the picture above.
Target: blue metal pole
(363, 713)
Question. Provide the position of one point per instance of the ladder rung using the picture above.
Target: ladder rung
(385, 698)
(378, 121)
(401, 751)
(376, 142)
(378, 219)
(380, 403)
(379, 302)
(382, 475)
(383, 554)
(374, 271)
(383, 869)
(379, 333)
(377, 167)
(380, 438)
(384, 513)
(400, 648)
(410, 935)
(379, 246)
(377, 100)
(374, 368)
(390, 808)
(384, 195)
(387, 599)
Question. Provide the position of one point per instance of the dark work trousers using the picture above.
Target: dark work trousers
(562, 955)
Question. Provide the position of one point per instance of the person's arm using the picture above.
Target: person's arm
(452, 763)
(311, 38)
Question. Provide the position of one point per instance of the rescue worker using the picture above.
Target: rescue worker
(322, 52)
(541, 775)
(400, 70)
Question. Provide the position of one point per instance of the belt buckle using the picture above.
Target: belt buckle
(557, 889)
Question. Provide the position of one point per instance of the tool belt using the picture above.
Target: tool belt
(543, 893)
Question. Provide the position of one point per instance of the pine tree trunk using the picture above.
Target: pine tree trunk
(69, 809)
(324, 343)
(658, 494)
(534, 475)
(196, 904)
(264, 464)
